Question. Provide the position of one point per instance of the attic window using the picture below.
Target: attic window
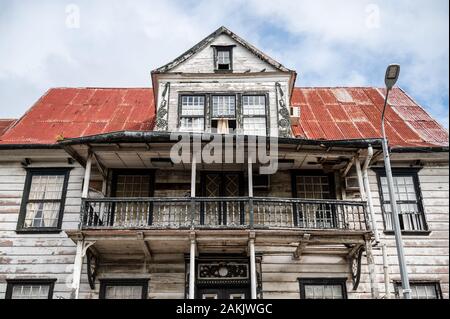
(223, 57)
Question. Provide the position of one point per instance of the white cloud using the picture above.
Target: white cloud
(326, 41)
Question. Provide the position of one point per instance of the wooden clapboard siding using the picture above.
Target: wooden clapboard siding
(203, 60)
(52, 255)
(427, 256)
(36, 255)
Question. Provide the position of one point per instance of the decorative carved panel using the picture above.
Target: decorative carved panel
(284, 118)
(223, 271)
(162, 123)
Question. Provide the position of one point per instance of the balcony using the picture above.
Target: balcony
(223, 213)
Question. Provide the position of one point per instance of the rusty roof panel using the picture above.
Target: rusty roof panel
(6, 124)
(76, 112)
(325, 113)
(357, 114)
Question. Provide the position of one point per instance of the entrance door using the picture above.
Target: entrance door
(223, 293)
(222, 212)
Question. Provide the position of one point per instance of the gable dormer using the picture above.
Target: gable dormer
(221, 84)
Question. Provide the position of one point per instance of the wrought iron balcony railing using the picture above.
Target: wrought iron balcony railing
(161, 213)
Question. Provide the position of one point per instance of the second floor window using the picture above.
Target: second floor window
(43, 200)
(409, 201)
(254, 117)
(223, 113)
(192, 113)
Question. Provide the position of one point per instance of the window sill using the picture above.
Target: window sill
(223, 71)
(409, 232)
(38, 231)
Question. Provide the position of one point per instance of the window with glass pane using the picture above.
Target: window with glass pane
(223, 106)
(254, 115)
(192, 113)
(223, 58)
(322, 289)
(30, 290)
(411, 215)
(123, 289)
(43, 200)
(422, 290)
(315, 187)
(123, 292)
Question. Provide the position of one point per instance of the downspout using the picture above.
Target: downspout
(387, 279)
(369, 194)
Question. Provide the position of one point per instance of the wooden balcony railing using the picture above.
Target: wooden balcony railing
(160, 213)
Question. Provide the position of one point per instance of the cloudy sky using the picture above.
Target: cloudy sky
(111, 43)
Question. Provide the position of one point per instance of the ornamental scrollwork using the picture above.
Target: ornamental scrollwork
(284, 122)
(161, 118)
(223, 271)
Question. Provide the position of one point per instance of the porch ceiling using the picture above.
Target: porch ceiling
(139, 155)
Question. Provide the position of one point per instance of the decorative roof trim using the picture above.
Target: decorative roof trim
(206, 41)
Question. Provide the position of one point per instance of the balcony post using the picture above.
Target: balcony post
(372, 272)
(193, 190)
(250, 190)
(253, 278)
(87, 176)
(360, 179)
(192, 254)
(369, 193)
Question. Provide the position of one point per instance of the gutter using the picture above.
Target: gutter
(421, 149)
(164, 137)
(28, 146)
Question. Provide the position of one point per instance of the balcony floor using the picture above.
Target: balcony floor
(127, 245)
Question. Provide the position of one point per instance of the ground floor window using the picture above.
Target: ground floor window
(30, 289)
(421, 290)
(322, 288)
(123, 289)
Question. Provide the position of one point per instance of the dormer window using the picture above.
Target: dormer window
(223, 57)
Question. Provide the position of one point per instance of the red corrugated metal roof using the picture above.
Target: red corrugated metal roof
(5, 124)
(356, 112)
(70, 112)
(326, 113)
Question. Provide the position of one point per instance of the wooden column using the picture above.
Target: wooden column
(372, 272)
(77, 267)
(253, 278)
(82, 247)
(192, 265)
(360, 179)
(250, 190)
(87, 177)
(193, 190)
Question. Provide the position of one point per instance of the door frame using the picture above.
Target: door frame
(222, 218)
(151, 188)
(243, 284)
(331, 185)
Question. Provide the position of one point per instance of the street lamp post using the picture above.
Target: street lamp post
(392, 74)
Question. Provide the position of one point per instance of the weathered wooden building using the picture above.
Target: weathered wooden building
(93, 203)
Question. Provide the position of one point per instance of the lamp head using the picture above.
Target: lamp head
(392, 74)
